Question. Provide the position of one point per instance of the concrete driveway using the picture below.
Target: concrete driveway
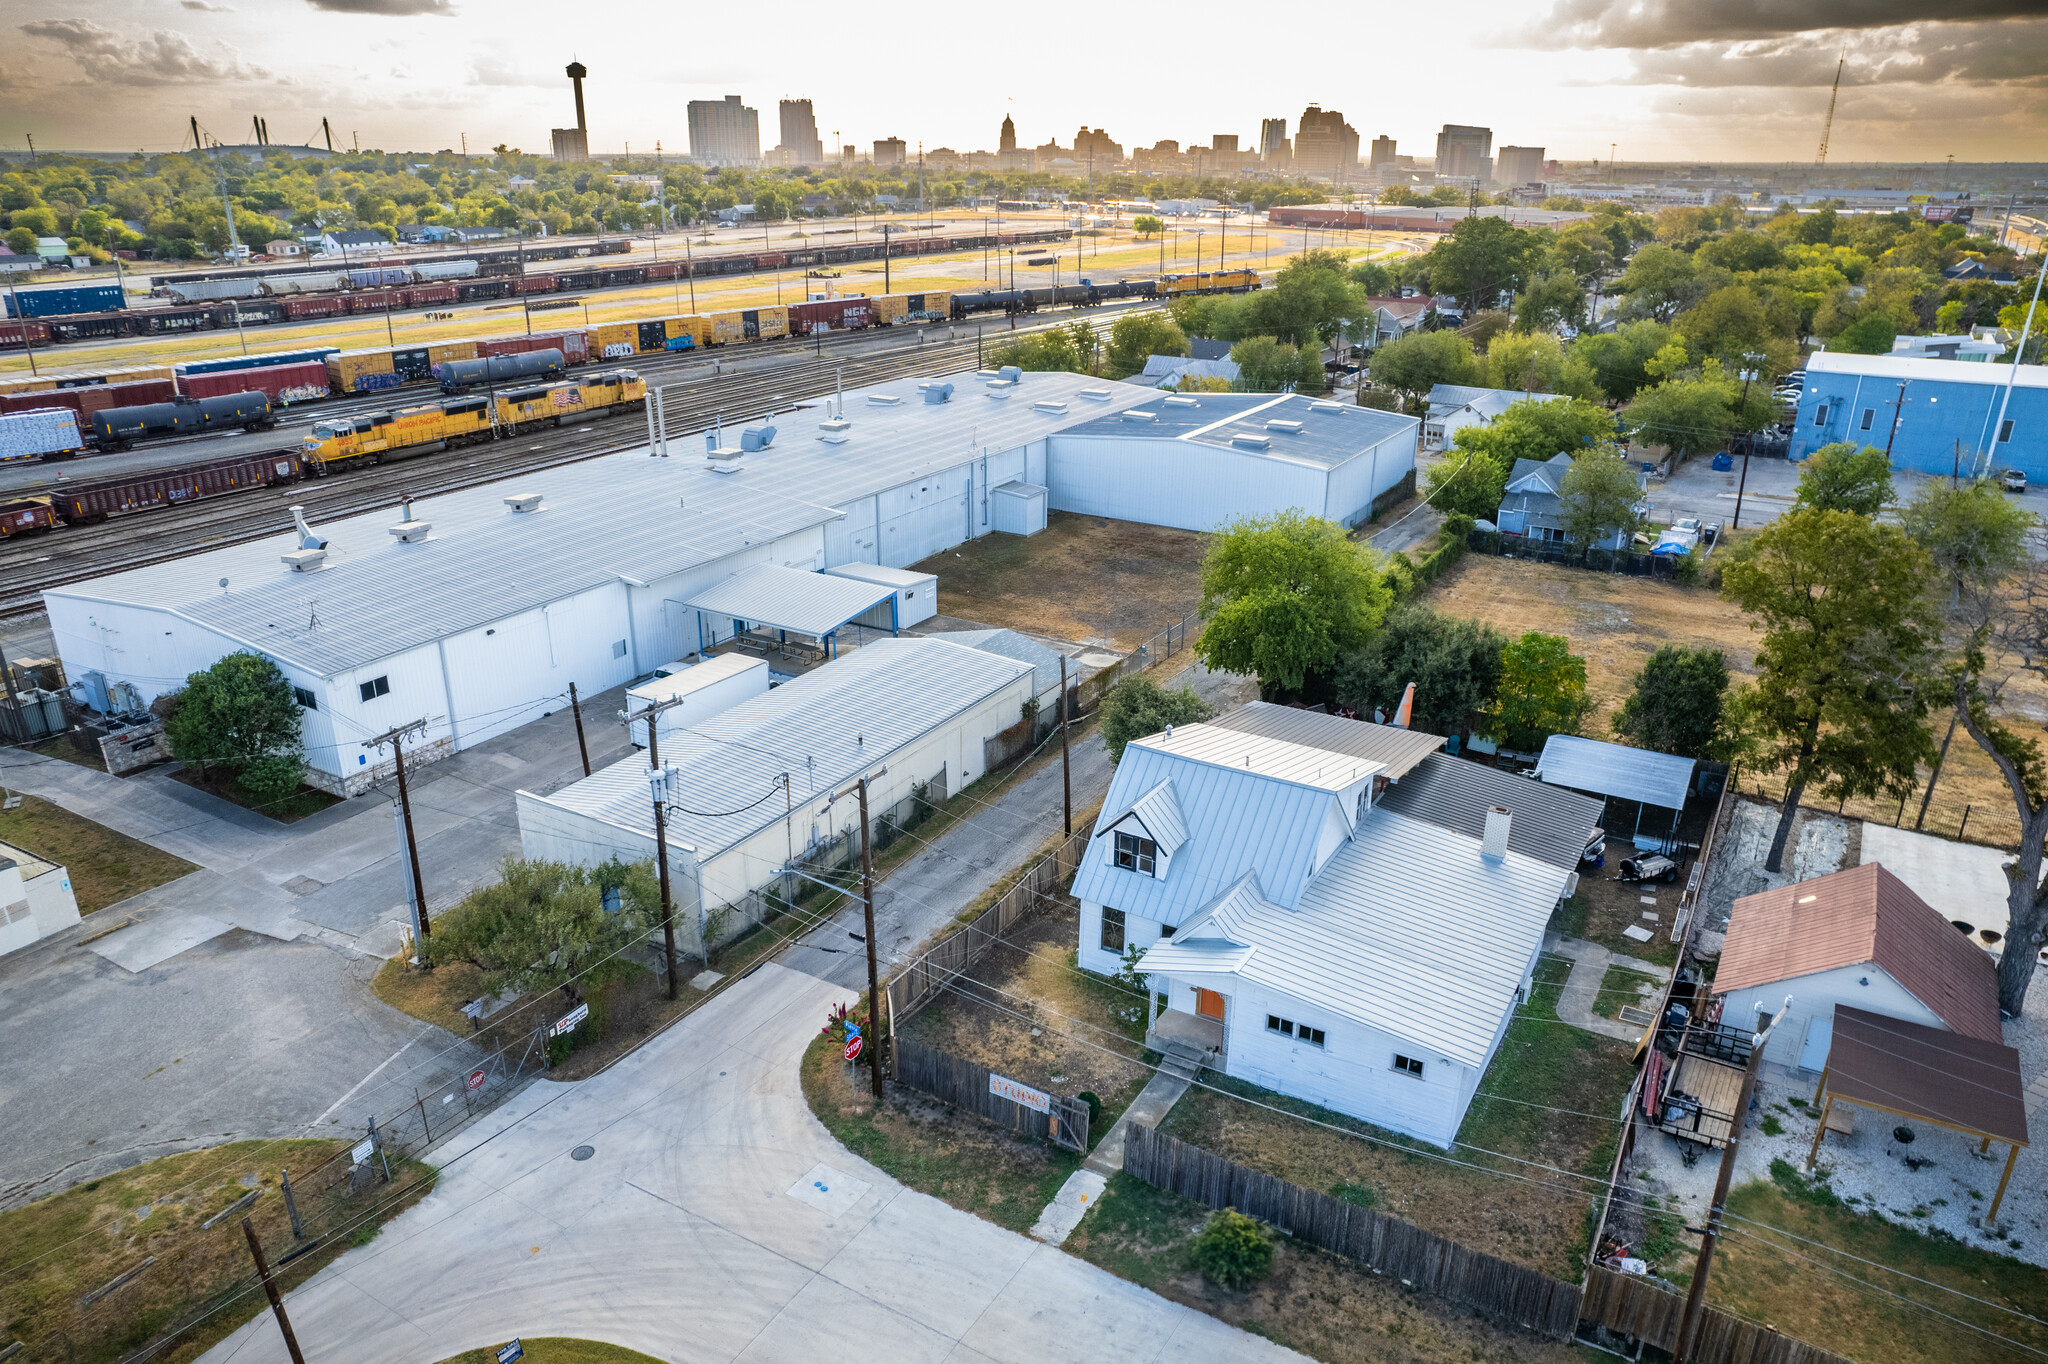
(715, 1220)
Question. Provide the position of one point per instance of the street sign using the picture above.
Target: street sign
(1005, 1088)
(364, 1149)
(852, 1028)
(568, 1021)
(853, 1048)
(508, 1353)
(476, 1079)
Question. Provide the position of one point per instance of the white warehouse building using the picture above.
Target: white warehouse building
(478, 612)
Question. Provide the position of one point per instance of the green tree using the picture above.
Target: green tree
(1453, 662)
(1733, 322)
(1658, 281)
(1419, 362)
(1530, 361)
(1136, 337)
(1468, 480)
(1975, 535)
(1070, 348)
(1675, 703)
(1309, 301)
(1841, 697)
(1285, 596)
(1268, 366)
(1542, 691)
(1599, 497)
(1872, 333)
(544, 926)
(1840, 477)
(241, 715)
(1138, 706)
(1617, 358)
(1538, 428)
(1145, 225)
(1689, 415)
(21, 241)
(1375, 279)
(1479, 260)
(1552, 299)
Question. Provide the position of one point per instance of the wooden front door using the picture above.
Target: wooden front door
(1209, 1004)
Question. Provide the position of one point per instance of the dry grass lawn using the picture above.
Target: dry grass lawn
(1617, 622)
(106, 867)
(1603, 907)
(1081, 578)
(559, 1350)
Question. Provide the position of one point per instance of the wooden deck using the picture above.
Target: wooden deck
(1718, 1087)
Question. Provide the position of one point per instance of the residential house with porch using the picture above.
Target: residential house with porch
(1328, 908)
(1532, 505)
(1454, 406)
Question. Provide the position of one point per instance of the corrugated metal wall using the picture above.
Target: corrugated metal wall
(1177, 483)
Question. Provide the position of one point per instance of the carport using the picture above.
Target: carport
(1939, 1077)
(788, 601)
(1651, 781)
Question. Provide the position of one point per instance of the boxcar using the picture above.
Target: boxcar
(143, 491)
(21, 515)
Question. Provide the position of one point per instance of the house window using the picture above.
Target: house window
(1136, 854)
(1408, 1065)
(1300, 1032)
(305, 698)
(1166, 930)
(375, 687)
(1112, 929)
(1869, 416)
(2005, 430)
(618, 648)
(1820, 415)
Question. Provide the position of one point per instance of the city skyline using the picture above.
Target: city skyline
(1729, 80)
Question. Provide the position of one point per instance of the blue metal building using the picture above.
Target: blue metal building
(1934, 415)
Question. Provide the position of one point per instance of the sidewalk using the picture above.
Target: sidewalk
(1576, 1002)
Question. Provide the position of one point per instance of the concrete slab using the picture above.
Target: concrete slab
(1068, 1207)
(151, 940)
(824, 1319)
(827, 1190)
(1966, 883)
(917, 1257)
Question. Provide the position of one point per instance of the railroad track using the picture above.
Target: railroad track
(758, 384)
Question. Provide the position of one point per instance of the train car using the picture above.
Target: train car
(59, 299)
(831, 315)
(258, 361)
(39, 433)
(1234, 281)
(314, 305)
(891, 309)
(458, 375)
(538, 284)
(88, 327)
(90, 502)
(429, 295)
(685, 333)
(615, 340)
(593, 395)
(432, 271)
(935, 305)
(361, 371)
(475, 290)
(375, 301)
(96, 395)
(324, 282)
(210, 290)
(440, 353)
(378, 436)
(21, 335)
(282, 384)
(116, 428)
(26, 515)
(1008, 301)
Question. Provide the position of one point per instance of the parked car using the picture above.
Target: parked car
(2014, 480)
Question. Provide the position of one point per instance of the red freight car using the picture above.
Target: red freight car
(20, 515)
(282, 384)
(834, 314)
(11, 332)
(429, 295)
(380, 301)
(771, 260)
(667, 269)
(537, 284)
(92, 397)
(314, 305)
(143, 491)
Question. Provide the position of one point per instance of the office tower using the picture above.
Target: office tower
(724, 132)
(1519, 165)
(1273, 144)
(1382, 151)
(1463, 150)
(800, 133)
(1324, 144)
(890, 151)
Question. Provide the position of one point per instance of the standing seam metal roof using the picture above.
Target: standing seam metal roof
(1636, 774)
(1549, 823)
(790, 599)
(1396, 748)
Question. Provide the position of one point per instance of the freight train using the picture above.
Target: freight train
(116, 428)
(410, 431)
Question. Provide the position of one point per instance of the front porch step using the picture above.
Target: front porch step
(1182, 1060)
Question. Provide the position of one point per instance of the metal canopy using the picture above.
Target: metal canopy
(791, 600)
(1616, 770)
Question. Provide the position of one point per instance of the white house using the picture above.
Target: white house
(1532, 504)
(1453, 406)
(36, 899)
(1312, 927)
(1861, 938)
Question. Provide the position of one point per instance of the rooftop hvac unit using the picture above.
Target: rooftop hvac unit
(884, 400)
(1178, 401)
(1285, 428)
(757, 438)
(1012, 373)
(1050, 409)
(524, 502)
(1253, 442)
(410, 532)
(937, 393)
(1326, 407)
(1139, 415)
(723, 459)
(304, 560)
(1100, 395)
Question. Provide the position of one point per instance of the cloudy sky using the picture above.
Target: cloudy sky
(1665, 79)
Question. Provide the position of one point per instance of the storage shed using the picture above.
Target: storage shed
(1652, 782)
(1018, 508)
(698, 693)
(917, 595)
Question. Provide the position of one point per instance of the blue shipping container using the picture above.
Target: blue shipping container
(316, 355)
(80, 298)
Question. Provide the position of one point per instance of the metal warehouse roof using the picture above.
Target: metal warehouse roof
(792, 599)
(1616, 770)
(1407, 929)
(1045, 662)
(1396, 748)
(825, 727)
(1550, 823)
(1328, 433)
(621, 514)
(1895, 367)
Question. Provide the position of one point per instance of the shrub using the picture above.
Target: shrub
(1138, 706)
(1233, 1250)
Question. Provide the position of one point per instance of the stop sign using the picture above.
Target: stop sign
(853, 1047)
(476, 1079)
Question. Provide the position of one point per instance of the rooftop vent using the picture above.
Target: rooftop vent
(1179, 401)
(304, 560)
(1012, 373)
(757, 438)
(1053, 409)
(1099, 395)
(1251, 442)
(884, 400)
(410, 529)
(835, 424)
(999, 392)
(1326, 407)
(723, 459)
(835, 433)
(1285, 428)
(997, 385)
(1493, 846)
(937, 393)
(1137, 414)
(524, 502)
(307, 540)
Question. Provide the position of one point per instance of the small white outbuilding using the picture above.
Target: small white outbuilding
(698, 693)
(917, 595)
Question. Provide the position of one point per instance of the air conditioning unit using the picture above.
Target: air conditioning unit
(304, 560)
(524, 502)
(1285, 428)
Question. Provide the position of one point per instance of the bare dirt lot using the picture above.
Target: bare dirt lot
(1616, 622)
(1081, 578)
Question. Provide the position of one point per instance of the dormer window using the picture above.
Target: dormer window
(1136, 854)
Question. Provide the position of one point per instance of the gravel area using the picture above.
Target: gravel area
(1820, 844)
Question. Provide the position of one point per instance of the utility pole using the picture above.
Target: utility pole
(27, 342)
(1066, 772)
(576, 709)
(1748, 437)
(284, 1323)
(396, 737)
(867, 897)
(657, 781)
(1898, 411)
(1696, 1295)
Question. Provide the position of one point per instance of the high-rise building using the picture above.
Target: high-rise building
(1097, 148)
(1009, 136)
(1382, 152)
(573, 144)
(1519, 165)
(800, 134)
(890, 151)
(724, 132)
(1324, 144)
(1467, 151)
(1273, 144)
(1008, 157)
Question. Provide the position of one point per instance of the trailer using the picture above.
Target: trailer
(144, 491)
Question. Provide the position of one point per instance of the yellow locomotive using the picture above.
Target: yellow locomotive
(408, 431)
(1210, 282)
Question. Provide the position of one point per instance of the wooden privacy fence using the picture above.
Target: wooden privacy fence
(1630, 1304)
(1374, 1239)
(915, 986)
(1649, 1311)
(965, 1085)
